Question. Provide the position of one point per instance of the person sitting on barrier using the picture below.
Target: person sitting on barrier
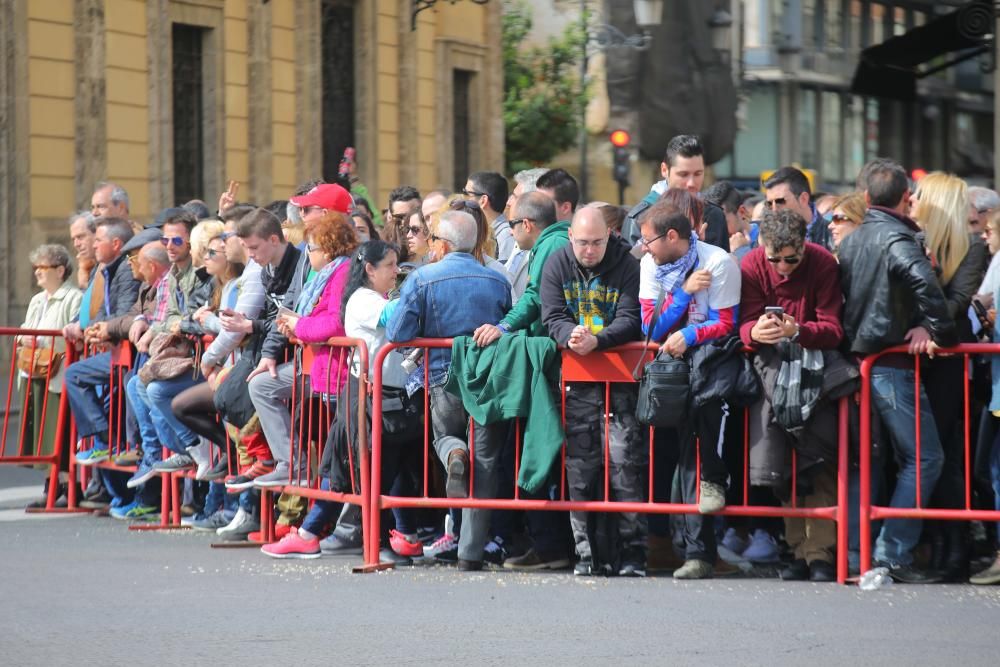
(700, 287)
(533, 216)
(589, 295)
(40, 361)
(801, 280)
(115, 289)
(892, 297)
(433, 303)
(271, 383)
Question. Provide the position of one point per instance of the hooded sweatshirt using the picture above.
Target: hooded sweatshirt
(605, 298)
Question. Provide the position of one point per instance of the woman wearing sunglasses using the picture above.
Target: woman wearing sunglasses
(847, 215)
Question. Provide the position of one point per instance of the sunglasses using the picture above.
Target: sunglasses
(472, 193)
(839, 217)
(441, 238)
(416, 231)
(791, 260)
(175, 241)
(778, 201)
(43, 267)
(212, 254)
(515, 223)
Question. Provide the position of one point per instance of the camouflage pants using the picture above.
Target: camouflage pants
(628, 457)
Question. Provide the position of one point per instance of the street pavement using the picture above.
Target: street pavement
(84, 590)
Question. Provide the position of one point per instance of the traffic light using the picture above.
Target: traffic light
(620, 140)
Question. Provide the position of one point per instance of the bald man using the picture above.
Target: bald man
(590, 301)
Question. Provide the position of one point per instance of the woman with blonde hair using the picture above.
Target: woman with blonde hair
(200, 236)
(847, 214)
(940, 207)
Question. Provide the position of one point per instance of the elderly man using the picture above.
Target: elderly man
(590, 302)
(109, 201)
(82, 226)
(803, 280)
(982, 202)
(434, 303)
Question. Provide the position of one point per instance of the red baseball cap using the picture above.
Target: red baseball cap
(328, 195)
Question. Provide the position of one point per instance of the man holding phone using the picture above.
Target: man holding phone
(791, 301)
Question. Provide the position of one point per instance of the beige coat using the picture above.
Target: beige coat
(55, 312)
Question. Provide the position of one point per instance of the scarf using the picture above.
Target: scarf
(671, 276)
(313, 289)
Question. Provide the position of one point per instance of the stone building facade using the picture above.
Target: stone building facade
(173, 98)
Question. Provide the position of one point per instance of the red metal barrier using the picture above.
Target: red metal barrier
(314, 418)
(30, 340)
(870, 512)
(608, 366)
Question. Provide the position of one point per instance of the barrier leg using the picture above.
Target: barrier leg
(842, 508)
(864, 493)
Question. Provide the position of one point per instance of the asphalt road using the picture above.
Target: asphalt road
(86, 590)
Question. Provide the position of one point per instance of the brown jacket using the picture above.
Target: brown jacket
(118, 327)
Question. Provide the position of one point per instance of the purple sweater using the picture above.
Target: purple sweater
(329, 366)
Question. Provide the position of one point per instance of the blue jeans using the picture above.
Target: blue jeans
(176, 435)
(138, 403)
(82, 380)
(995, 478)
(895, 397)
(323, 512)
(217, 499)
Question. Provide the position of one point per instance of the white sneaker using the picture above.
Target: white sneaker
(202, 455)
(238, 519)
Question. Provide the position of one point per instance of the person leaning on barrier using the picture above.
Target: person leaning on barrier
(434, 303)
(700, 286)
(892, 297)
(118, 292)
(589, 296)
(52, 308)
(82, 226)
(803, 280)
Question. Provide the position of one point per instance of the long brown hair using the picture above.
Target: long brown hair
(232, 271)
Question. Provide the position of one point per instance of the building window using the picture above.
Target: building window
(338, 82)
(462, 128)
(189, 112)
(808, 151)
(831, 169)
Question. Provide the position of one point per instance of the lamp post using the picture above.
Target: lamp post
(648, 15)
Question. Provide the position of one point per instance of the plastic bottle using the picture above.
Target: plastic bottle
(872, 580)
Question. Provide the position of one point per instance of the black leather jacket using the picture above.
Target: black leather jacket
(889, 285)
(964, 284)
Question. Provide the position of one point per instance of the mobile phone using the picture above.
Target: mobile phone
(777, 311)
(285, 312)
(982, 314)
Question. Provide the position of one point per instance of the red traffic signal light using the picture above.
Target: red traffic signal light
(620, 138)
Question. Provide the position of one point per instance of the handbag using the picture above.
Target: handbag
(38, 363)
(664, 386)
(170, 356)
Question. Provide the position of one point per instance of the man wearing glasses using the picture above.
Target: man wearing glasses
(789, 188)
(490, 189)
(700, 287)
(803, 280)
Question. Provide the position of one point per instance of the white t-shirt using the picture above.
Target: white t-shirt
(992, 280)
(361, 317)
(724, 291)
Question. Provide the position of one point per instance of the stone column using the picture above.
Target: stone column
(90, 145)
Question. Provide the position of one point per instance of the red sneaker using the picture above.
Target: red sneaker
(293, 546)
(402, 545)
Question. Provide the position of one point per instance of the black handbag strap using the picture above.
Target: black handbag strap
(649, 333)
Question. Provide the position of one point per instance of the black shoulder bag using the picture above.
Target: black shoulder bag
(664, 385)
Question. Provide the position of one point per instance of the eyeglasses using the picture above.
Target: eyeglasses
(313, 248)
(652, 240)
(211, 253)
(777, 201)
(472, 193)
(43, 267)
(791, 260)
(132, 257)
(441, 238)
(175, 241)
(416, 231)
(515, 223)
(581, 243)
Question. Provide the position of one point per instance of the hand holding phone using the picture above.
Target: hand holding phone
(777, 312)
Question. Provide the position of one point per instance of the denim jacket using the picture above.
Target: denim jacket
(449, 298)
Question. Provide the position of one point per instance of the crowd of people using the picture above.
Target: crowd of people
(809, 282)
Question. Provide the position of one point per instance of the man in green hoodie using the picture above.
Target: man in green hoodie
(534, 215)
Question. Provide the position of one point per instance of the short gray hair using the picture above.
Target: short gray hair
(53, 254)
(86, 215)
(783, 229)
(983, 198)
(155, 252)
(118, 193)
(527, 179)
(117, 228)
(459, 229)
(537, 207)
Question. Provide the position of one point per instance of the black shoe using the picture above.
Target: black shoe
(633, 562)
(469, 565)
(906, 574)
(219, 470)
(798, 570)
(821, 570)
(97, 501)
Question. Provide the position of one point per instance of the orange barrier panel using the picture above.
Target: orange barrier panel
(607, 366)
(870, 512)
(39, 347)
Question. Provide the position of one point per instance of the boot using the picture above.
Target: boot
(956, 558)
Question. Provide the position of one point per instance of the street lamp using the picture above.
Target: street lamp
(648, 15)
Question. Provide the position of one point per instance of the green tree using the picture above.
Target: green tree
(544, 97)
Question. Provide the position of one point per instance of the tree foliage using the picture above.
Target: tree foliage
(544, 97)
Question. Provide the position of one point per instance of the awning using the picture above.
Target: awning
(891, 69)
